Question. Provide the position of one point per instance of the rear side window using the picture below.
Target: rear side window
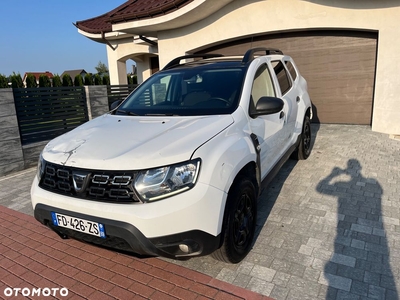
(284, 82)
(291, 69)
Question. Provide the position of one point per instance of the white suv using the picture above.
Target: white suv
(176, 168)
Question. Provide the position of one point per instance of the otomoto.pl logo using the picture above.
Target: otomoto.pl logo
(40, 292)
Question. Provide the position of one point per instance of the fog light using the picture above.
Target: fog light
(184, 248)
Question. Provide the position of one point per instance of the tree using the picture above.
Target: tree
(57, 81)
(31, 81)
(3, 81)
(97, 79)
(67, 80)
(16, 80)
(101, 68)
(88, 79)
(78, 80)
(44, 81)
(132, 79)
(106, 80)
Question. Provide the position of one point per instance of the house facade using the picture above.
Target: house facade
(37, 75)
(73, 73)
(349, 51)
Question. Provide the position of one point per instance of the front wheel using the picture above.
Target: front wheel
(304, 149)
(240, 222)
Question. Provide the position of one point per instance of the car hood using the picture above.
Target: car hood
(114, 142)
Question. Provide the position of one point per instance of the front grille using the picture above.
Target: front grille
(108, 186)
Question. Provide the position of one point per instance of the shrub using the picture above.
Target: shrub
(67, 80)
(30, 81)
(106, 80)
(57, 81)
(132, 79)
(129, 79)
(97, 79)
(78, 80)
(44, 81)
(88, 79)
(16, 80)
(3, 81)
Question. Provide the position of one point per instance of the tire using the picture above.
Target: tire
(304, 148)
(239, 222)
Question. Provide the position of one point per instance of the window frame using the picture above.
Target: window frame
(287, 76)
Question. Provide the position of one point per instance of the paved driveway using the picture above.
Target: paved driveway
(328, 227)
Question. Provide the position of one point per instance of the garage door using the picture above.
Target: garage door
(339, 67)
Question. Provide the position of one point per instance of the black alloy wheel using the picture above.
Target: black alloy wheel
(305, 143)
(239, 222)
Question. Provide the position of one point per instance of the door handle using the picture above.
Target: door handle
(298, 99)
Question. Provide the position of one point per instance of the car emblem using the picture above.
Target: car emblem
(80, 181)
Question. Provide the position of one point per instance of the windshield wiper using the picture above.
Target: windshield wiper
(129, 113)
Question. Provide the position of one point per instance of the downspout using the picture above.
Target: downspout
(102, 37)
(106, 41)
(146, 40)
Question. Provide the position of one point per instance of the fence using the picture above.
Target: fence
(29, 118)
(44, 114)
(119, 92)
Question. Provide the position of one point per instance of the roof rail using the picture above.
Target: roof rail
(176, 61)
(249, 56)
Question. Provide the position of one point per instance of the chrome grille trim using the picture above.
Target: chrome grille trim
(96, 185)
(121, 180)
(100, 179)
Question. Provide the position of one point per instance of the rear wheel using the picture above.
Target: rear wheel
(240, 222)
(304, 148)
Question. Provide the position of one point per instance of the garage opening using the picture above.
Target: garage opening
(339, 67)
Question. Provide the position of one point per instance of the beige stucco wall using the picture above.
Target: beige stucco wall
(125, 49)
(245, 18)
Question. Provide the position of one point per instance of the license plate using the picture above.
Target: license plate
(78, 224)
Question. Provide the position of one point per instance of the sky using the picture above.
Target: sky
(38, 36)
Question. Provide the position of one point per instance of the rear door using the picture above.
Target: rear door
(289, 94)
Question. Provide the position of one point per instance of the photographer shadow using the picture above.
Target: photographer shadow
(360, 264)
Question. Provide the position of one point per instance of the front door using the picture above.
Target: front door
(268, 128)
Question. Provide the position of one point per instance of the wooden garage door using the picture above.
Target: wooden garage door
(339, 67)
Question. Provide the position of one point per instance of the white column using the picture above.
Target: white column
(143, 68)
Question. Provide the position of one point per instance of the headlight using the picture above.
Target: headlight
(40, 167)
(158, 183)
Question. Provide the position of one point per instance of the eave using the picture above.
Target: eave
(188, 14)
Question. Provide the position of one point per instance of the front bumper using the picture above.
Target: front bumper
(126, 237)
(187, 224)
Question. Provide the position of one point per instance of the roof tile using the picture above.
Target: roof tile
(130, 11)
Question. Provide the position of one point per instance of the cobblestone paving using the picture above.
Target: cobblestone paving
(328, 227)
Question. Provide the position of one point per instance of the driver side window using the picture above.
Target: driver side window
(262, 85)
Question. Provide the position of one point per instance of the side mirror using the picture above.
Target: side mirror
(115, 104)
(267, 106)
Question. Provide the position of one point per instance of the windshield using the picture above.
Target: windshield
(186, 92)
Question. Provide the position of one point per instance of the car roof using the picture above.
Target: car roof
(211, 64)
(211, 60)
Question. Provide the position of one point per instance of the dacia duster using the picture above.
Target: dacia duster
(176, 168)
